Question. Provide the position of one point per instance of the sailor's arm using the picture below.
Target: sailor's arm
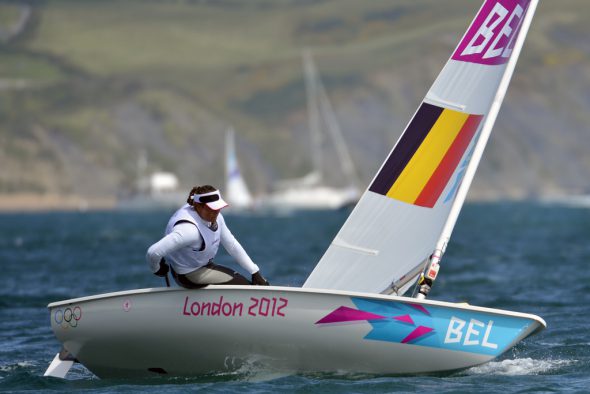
(235, 249)
(183, 234)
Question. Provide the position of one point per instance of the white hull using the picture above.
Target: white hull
(571, 201)
(220, 328)
(311, 198)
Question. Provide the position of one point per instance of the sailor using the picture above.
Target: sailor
(193, 235)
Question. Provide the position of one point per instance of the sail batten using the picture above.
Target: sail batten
(343, 244)
(410, 208)
(436, 101)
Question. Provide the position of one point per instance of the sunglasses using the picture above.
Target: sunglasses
(207, 197)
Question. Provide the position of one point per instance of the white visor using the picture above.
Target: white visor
(212, 199)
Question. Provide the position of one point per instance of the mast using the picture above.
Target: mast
(313, 112)
(229, 152)
(336, 133)
(432, 271)
(320, 107)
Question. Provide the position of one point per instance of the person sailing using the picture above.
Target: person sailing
(191, 241)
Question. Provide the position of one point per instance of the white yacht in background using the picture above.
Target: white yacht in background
(312, 191)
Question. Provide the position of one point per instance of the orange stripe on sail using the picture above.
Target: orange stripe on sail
(422, 165)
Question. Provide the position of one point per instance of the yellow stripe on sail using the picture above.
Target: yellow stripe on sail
(419, 169)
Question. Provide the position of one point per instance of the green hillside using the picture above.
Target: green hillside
(87, 86)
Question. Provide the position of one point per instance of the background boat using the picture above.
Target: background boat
(314, 190)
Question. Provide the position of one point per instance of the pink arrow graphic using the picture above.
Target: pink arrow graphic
(417, 333)
(346, 314)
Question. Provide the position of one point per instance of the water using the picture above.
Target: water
(519, 257)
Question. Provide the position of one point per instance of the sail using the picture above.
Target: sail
(409, 210)
(237, 193)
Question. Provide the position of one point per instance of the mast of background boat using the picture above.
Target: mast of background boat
(432, 271)
(229, 151)
(313, 112)
(336, 132)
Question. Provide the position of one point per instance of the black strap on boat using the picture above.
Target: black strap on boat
(65, 355)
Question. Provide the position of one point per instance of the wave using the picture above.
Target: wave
(519, 366)
(18, 365)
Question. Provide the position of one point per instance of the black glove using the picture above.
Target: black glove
(258, 280)
(163, 271)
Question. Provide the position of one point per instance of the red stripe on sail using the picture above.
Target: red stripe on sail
(440, 177)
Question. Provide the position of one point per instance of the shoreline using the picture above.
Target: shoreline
(30, 202)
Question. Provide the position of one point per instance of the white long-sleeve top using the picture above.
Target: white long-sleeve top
(185, 234)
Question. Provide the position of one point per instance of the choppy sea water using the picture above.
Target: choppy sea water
(522, 257)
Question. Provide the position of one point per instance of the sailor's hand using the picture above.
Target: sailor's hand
(258, 279)
(163, 271)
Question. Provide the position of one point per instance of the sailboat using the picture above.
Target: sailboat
(311, 191)
(356, 311)
(236, 193)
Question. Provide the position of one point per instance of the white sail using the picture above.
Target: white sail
(236, 193)
(409, 210)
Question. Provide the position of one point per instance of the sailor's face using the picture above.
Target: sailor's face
(206, 213)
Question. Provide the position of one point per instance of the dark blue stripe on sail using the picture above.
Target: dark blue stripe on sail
(415, 133)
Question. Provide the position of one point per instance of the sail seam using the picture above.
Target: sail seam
(432, 99)
(343, 244)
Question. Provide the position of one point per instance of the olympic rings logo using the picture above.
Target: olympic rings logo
(68, 317)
